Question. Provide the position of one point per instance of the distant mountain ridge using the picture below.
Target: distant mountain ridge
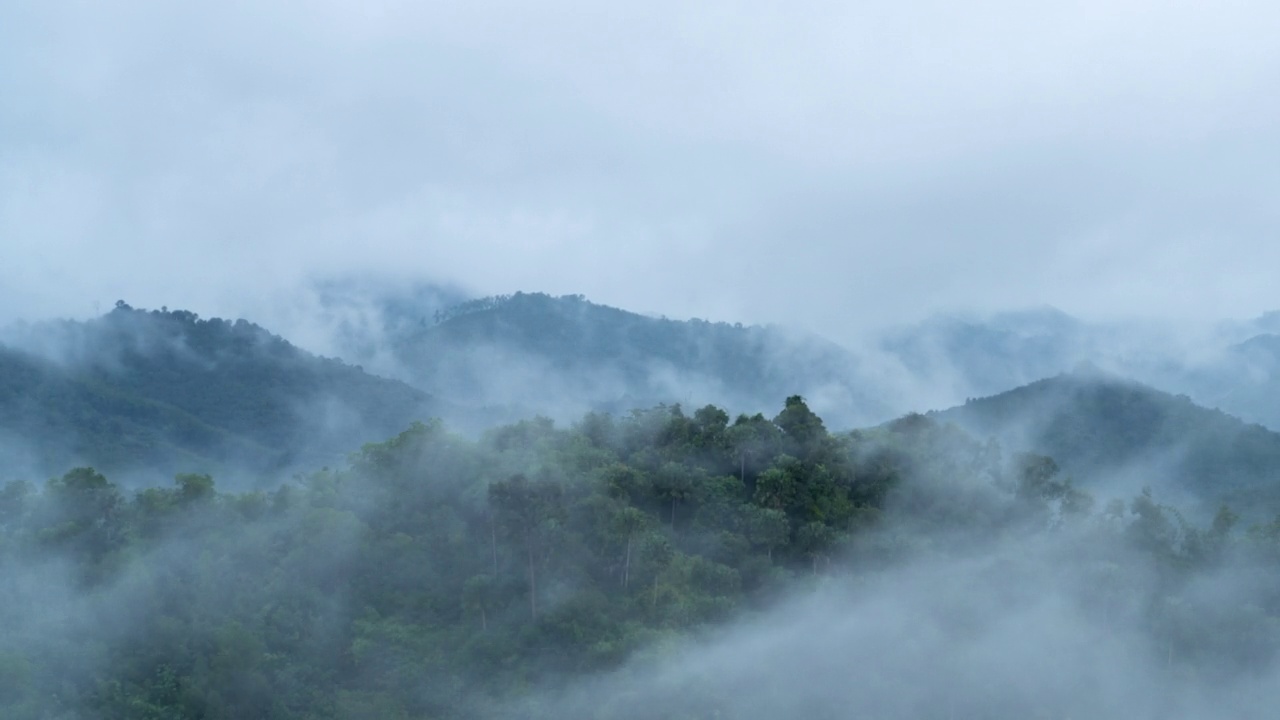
(1108, 431)
(547, 354)
(168, 391)
(991, 355)
(1234, 366)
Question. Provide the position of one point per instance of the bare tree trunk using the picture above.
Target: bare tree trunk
(533, 586)
(493, 544)
(626, 565)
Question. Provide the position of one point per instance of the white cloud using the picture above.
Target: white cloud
(824, 164)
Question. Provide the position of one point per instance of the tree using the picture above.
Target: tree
(627, 522)
(754, 441)
(800, 423)
(1151, 529)
(712, 425)
(82, 510)
(676, 483)
(194, 488)
(766, 527)
(480, 594)
(656, 553)
(1036, 479)
(529, 514)
(813, 539)
(777, 489)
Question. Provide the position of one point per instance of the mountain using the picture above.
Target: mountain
(169, 392)
(981, 356)
(561, 356)
(1117, 435)
(1234, 366)
(1244, 379)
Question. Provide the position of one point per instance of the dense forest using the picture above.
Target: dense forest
(160, 392)
(544, 571)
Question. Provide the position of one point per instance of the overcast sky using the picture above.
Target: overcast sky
(829, 164)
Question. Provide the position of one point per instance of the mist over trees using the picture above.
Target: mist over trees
(1115, 433)
(585, 571)
(532, 353)
(990, 560)
(159, 392)
(639, 360)
(1228, 364)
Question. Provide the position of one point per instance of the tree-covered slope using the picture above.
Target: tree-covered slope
(623, 568)
(51, 417)
(1099, 427)
(167, 391)
(563, 355)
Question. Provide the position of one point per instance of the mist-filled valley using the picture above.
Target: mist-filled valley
(554, 508)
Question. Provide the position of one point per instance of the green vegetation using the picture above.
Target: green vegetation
(166, 391)
(1098, 426)
(439, 577)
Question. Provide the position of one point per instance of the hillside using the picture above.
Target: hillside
(561, 356)
(544, 571)
(661, 565)
(168, 391)
(1113, 433)
(1231, 365)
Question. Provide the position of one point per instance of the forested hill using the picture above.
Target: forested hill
(626, 568)
(563, 355)
(1101, 428)
(169, 392)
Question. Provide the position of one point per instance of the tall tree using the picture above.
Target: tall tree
(530, 515)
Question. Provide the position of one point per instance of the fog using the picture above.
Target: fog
(865, 211)
(976, 593)
(937, 614)
(995, 637)
(147, 394)
(830, 167)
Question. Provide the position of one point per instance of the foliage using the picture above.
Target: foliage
(165, 391)
(439, 577)
(1098, 427)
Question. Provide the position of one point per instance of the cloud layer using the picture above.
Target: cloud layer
(831, 166)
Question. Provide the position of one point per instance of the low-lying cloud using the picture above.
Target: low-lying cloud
(832, 167)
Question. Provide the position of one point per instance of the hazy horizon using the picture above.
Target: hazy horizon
(826, 167)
